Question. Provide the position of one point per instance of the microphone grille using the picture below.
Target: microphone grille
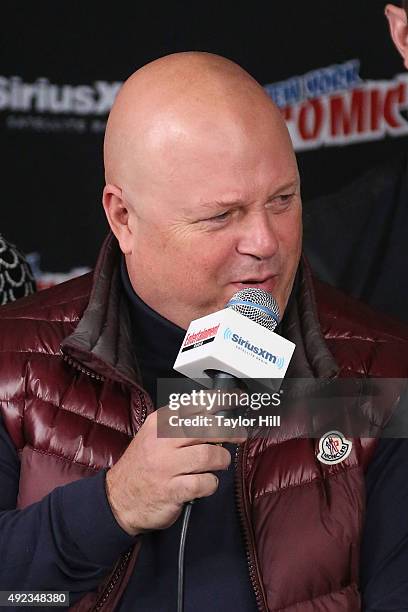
(258, 305)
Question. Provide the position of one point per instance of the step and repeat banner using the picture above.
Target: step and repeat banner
(329, 66)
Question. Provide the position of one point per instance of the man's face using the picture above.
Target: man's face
(214, 212)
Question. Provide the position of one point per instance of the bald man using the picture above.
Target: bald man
(202, 196)
(167, 205)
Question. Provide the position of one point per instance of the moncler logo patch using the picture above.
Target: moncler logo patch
(333, 448)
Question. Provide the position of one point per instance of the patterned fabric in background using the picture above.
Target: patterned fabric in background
(16, 278)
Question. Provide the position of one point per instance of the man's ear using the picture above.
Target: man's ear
(118, 215)
(397, 20)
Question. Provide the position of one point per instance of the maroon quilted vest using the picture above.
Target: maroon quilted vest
(69, 375)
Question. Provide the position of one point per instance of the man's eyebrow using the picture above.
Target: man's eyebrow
(222, 203)
(218, 204)
(289, 185)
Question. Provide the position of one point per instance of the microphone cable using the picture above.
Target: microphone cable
(225, 382)
(180, 585)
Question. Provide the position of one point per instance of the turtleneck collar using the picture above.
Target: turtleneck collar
(156, 339)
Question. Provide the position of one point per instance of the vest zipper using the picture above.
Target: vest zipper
(144, 408)
(248, 540)
(126, 557)
(106, 593)
(75, 364)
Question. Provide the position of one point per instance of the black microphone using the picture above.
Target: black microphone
(262, 308)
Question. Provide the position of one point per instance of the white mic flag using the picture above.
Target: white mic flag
(227, 341)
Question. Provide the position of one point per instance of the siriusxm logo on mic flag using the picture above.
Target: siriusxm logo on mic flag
(257, 351)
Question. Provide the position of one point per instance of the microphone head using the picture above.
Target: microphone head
(258, 305)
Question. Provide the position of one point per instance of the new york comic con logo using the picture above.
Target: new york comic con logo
(335, 106)
(333, 448)
(253, 350)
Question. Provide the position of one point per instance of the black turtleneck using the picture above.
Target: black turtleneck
(216, 571)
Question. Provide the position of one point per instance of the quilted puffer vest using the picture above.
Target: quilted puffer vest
(67, 361)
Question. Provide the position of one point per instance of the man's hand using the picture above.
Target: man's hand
(153, 479)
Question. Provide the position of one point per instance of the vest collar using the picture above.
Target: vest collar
(102, 341)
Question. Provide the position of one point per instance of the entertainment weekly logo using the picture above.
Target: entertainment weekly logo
(42, 106)
(333, 106)
(203, 336)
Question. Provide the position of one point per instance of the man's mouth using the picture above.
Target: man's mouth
(267, 283)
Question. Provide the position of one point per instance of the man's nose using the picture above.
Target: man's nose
(258, 236)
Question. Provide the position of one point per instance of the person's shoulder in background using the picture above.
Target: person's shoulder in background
(16, 277)
(356, 239)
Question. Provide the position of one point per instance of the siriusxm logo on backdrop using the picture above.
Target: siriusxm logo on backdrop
(41, 96)
(260, 353)
(42, 106)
